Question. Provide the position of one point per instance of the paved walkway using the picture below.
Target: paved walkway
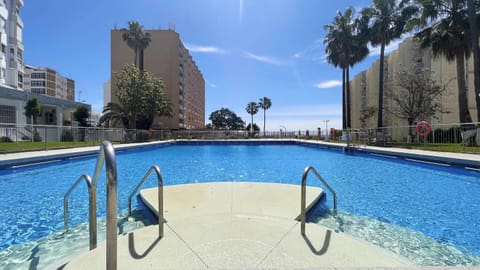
(235, 225)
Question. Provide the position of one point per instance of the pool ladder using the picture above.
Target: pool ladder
(107, 157)
(303, 195)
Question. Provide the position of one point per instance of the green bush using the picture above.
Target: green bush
(36, 136)
(67, 136)
(142, 136)
(5, 139)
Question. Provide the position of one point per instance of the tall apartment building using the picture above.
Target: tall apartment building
(166, 57)
(11, 55)
(46, 81)
(364, 87)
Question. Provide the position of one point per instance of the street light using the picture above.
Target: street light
(284, 128)
(326, 127)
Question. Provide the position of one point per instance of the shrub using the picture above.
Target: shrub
(67, 136)
(142, 136)
(36, 136)
(5, 139)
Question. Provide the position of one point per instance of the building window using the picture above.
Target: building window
(38, 91)
(4, 48)
(38, 75)
(20, 80)
(20, 56)
(38, 83)
(12, 53)
(8, 114)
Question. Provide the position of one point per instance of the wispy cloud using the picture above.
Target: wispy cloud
(314, 52)
(375, 51)
(205, 49)
(263, 59)
(240, 11)
(328, 84)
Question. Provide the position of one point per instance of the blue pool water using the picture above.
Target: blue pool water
(442, 203)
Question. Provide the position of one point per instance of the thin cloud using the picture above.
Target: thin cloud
(240, 11)
(328, 84)
(263, 59)
(375, 51)
(205, 49)
(313, 52)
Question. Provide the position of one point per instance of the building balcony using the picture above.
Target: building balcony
(4, 13)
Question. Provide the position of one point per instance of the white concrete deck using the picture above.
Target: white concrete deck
(236, 225)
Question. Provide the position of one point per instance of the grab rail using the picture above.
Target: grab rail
(107, 157)
(92, 210)
(160, 196)
(304, 191)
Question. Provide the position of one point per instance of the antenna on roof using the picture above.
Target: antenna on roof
(114, 26)
(171, 26)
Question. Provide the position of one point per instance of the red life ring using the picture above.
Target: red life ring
(423, 128)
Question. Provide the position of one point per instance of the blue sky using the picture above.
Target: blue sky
(246, 49)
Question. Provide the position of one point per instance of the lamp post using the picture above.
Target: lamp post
(326, 128)
(284, 128)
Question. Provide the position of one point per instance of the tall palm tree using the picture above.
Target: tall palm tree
(387, 21)
(473, 6)
(345, 46)
(449, 35)
(265, 103)
(252, 109)
(138, 40)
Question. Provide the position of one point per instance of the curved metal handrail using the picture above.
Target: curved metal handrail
(304, 191)
(92, 210)
(160, 196)
(107, 157)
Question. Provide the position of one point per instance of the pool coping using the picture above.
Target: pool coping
(463, 160)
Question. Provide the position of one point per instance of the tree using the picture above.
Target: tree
(33, 109)
(256, 129)
(225, 119)
(138, 40)
(449, 35)
(264, 103)
(141, 96)
(252, 109)
(387, 20)
(346, 45)
(365, 114)
(113, 115)
(417, 96)
(473, 7)
(81, 115)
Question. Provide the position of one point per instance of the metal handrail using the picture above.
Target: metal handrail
(107, 157)
(160, 196)
(304, 191)
(92, 210)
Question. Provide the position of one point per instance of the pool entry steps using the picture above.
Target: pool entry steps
(220, 225)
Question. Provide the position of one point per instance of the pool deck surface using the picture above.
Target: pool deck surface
(236, 225)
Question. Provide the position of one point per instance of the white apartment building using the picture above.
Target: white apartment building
(11, 55)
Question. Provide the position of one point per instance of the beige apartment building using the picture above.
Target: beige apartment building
(166, 57)
(364, 87)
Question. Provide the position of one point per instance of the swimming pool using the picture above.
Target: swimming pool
(440, 203)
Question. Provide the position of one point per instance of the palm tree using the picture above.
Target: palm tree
(138, 40)
(473, 6)
(114, 114)
(252, 109)
(449, 35)
(264, 103)
(387, 20)
(345, 46)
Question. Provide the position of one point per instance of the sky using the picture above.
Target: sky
(245, 49)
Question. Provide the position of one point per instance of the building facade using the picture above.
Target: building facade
(11, 55)
(364, 87)
(167, 58)
(46, 81)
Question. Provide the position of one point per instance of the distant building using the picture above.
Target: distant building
(11, 55)
(166, 57)
(364, 87)
(46, 81)
(107, 93)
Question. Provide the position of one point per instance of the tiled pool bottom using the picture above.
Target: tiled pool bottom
(56, 249)
(414, 246)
